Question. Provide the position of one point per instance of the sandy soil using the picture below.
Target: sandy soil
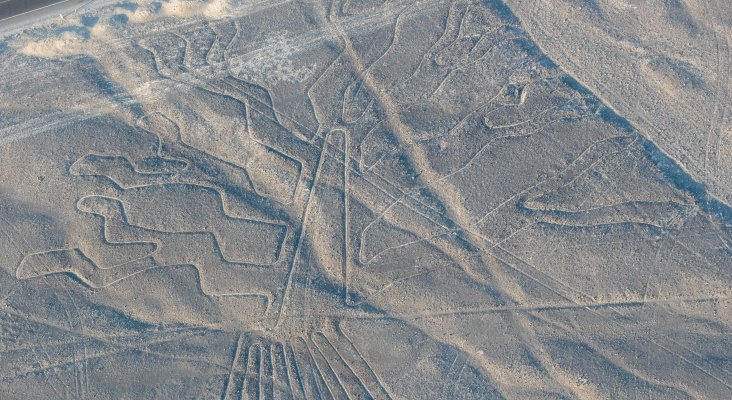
(663, 65)
(367, 199)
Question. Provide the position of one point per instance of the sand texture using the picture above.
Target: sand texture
(664, 65)
(356, 199)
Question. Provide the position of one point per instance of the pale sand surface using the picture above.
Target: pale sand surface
(663, 64)
(367, 199)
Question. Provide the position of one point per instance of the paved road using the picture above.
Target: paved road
(14, 13)
(9, 8)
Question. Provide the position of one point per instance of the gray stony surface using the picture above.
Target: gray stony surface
(365, 199)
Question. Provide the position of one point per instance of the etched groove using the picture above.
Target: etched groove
(372, 199)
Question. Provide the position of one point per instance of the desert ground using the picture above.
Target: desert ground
(353, 199)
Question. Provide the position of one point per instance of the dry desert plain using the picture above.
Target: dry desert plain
(351, 199)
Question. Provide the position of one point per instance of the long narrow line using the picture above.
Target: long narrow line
(234, 362)
(303, 227)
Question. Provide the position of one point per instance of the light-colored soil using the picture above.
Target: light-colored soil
(367, 199)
